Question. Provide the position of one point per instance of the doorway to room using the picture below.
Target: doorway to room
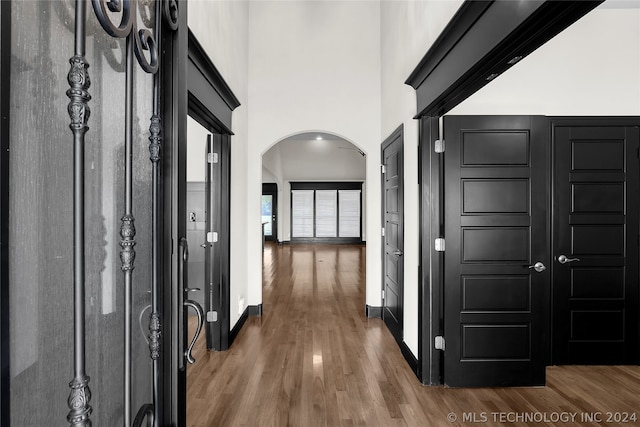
(270, 212)
(208, 215)
(318, 183)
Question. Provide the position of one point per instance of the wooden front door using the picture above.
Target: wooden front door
(393, 233)
(497, 280)
(595, 243)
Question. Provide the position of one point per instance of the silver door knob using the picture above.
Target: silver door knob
(562, 259)
(398, 253)
(538, 266)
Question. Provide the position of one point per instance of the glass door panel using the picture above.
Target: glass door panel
(267, 213)
(41, 277)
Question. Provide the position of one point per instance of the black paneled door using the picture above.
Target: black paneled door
(595, 244)
(497, 281)
(393, 239)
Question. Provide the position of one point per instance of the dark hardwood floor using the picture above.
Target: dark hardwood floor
(314, 359)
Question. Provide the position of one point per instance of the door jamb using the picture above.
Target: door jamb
(431, 277)
(182, 52)
(174, 113)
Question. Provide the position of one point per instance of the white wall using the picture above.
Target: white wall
(314, 66)
(408, 28)
(222, 27)
(196, 148)
(592, 68)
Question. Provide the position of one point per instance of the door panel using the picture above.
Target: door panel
(596, 228)
(496, 307)
(393, 221)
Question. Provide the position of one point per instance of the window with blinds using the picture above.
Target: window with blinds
(349, 215)
(326, 211)
(302, 213)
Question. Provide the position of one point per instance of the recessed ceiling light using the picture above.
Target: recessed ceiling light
(318, 138)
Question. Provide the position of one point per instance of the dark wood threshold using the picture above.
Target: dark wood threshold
(373, 312)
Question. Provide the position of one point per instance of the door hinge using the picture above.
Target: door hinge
(212, 157)
(382, 231)
(439, 244)
(439, 146)
(439, 343)
(212, 236)
(383, 294)
(383, 169)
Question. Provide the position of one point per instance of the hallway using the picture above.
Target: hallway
(314, 359)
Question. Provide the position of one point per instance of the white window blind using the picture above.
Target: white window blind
(326, 213)
(302, 213)
(349, 201)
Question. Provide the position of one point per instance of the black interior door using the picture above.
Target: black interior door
(393, 239)
(497, 247)
(595, 244)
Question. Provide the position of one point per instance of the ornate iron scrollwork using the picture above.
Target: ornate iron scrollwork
(146, 412)
(144, 39)
(128, 233)
(79, 402)
(145, 44)
(154, 336)
(155, 139)
(78, 94)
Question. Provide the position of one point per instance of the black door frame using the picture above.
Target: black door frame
(445, 77)
(218, 335)
(5, 87)
(431, 268)
(271, 189)
(191, 86)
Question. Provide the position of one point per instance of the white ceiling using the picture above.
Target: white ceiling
(304, 157)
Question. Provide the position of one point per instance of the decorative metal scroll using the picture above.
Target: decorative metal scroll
(145, 44)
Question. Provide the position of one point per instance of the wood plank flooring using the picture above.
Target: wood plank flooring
(314, 359)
